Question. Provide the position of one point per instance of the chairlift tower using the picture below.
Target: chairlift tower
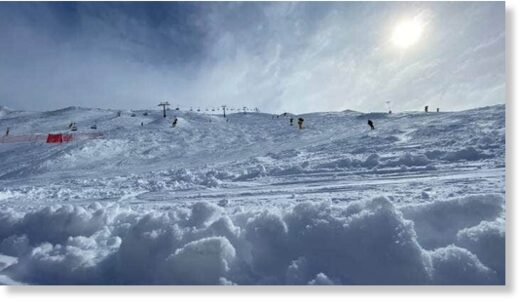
(164, 104)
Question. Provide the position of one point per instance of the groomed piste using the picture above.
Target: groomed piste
(249, 199)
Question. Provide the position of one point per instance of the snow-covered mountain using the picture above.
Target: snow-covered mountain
(250, 199)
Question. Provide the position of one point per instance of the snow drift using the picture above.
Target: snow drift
(364, 242)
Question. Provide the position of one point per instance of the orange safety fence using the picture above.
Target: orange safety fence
(65, 137)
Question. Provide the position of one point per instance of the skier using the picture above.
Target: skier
(389, 111)
(371, 124)
(174, 122)
(7, 131)
(291, 121)
(142, 124)
(425, 108)
(300, 123)
(437, 109)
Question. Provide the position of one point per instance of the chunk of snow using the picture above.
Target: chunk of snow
(437, 223)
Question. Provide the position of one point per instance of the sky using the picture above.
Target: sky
(277, 56)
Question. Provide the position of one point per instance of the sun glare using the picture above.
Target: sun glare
(407, 33)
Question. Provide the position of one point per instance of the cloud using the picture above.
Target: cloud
(296, 57)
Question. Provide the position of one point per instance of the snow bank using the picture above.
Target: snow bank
(468, 154)
(457, 266)
(375, 161)
(4, 111)
(203, 261)
(437, 223)
(369, 162)
(364, 242)
(407, 159)
(487, 241)
(464, 154)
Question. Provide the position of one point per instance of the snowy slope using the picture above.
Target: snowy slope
(252, 200)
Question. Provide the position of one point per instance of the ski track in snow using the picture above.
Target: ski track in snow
(242, 171)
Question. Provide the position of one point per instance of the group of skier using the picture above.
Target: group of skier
(426, 109)
(300, 122)
(72, 126)
(371, 124)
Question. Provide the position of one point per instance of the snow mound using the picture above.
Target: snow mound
(467, 154)
(487, 241)
(4, 111)
(457, 266)
(437, 223)
(363, 242)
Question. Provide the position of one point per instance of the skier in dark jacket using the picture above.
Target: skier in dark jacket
(291, 121)
(174, 122)
(371, 124)
(300, 123)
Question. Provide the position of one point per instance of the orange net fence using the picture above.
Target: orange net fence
(50, 138)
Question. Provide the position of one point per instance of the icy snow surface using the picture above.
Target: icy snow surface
(252, 200)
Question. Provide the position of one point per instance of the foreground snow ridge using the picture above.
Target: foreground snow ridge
(364, 242)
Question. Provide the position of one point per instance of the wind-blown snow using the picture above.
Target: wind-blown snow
(420, 200)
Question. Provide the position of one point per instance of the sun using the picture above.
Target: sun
(407, 33)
